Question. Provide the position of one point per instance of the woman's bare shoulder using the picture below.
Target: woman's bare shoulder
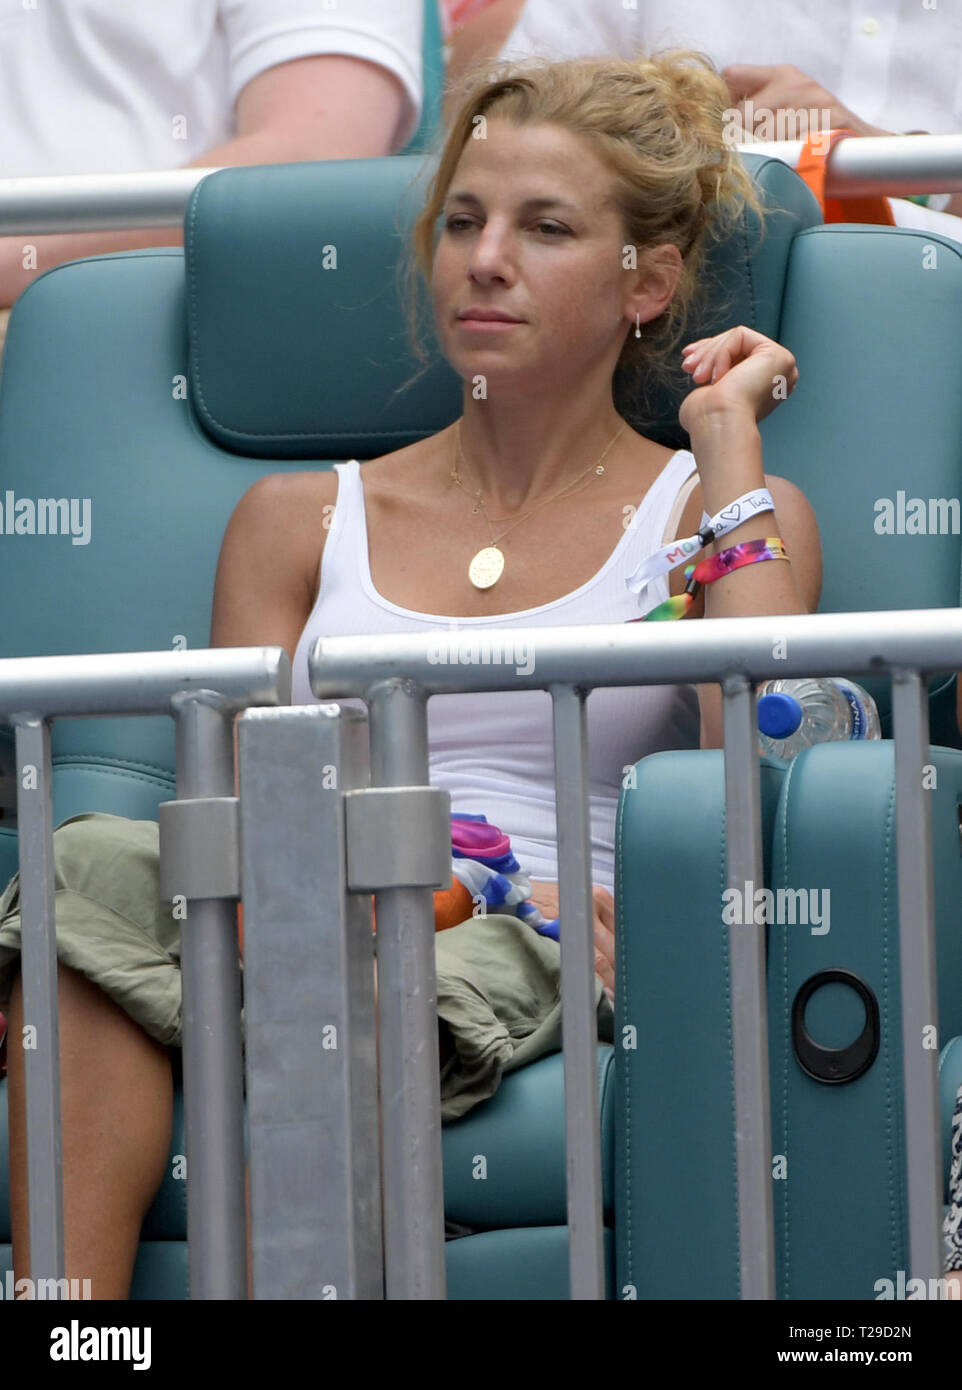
(305, 498)
(280, 524)
(406, 470)
(292, 490)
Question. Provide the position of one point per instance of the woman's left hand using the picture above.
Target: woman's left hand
(547, 898)
(739, 370)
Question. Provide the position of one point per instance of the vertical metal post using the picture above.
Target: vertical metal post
(38, 964)
(408, 1032)
(579, 1018)
(309, 1010)
(213, 1075)
(920, 1048)
(749, 1006)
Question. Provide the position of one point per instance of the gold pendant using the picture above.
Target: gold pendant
(486, 568)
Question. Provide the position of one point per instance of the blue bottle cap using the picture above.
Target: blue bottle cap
(779, 715)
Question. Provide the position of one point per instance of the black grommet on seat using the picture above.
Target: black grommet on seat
(834, 1066)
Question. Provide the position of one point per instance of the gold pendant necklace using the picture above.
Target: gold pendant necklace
(487, 566)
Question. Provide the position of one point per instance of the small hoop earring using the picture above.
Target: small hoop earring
(637, 325)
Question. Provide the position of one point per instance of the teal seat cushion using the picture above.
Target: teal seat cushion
(274, 369)
(526, 1264)
(160, 1271)
(675, 1186)
(842, 1207)
(504, 1163)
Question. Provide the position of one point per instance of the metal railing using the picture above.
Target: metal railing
(202, 690)
(397, 674)
(892, 165)
(322, 823)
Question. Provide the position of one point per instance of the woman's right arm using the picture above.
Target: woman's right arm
(266, 581)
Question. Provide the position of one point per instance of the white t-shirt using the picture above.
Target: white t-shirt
(114, 86)
(894, 63)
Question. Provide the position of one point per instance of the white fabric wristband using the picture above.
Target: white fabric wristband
(670, 556)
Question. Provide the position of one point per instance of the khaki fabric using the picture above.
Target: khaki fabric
(499, 982)
(499, 993)
(111, 924)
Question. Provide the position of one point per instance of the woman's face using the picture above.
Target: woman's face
(528, 230)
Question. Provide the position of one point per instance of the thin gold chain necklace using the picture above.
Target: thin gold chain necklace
(487, 566)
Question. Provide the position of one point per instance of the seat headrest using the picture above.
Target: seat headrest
(298, 337)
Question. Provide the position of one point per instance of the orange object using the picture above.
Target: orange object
(451, 906)
(812, 167)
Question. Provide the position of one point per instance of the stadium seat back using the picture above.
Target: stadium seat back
(871, 315)
(873, 433)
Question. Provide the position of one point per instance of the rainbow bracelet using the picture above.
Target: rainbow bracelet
(711, 568)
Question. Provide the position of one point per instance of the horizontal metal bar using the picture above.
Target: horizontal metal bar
(892, 165)
(158, 198)
(824, 644)
(91, 202)
(142, 682)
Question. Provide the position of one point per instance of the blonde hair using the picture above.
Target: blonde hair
(658, 123)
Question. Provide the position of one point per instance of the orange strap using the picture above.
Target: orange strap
(812, 167)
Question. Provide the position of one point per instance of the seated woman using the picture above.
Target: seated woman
(576, 200)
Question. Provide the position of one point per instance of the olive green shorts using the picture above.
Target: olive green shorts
(111, 923)
(498, 981)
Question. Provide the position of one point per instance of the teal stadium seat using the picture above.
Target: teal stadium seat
(872, 316)
(161, 384)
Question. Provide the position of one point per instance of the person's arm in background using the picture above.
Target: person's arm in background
(327, 106)
(784, 87)
(480, 39)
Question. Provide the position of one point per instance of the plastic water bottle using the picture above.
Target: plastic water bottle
(793, 714)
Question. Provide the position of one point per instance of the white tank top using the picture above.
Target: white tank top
(493, 752)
